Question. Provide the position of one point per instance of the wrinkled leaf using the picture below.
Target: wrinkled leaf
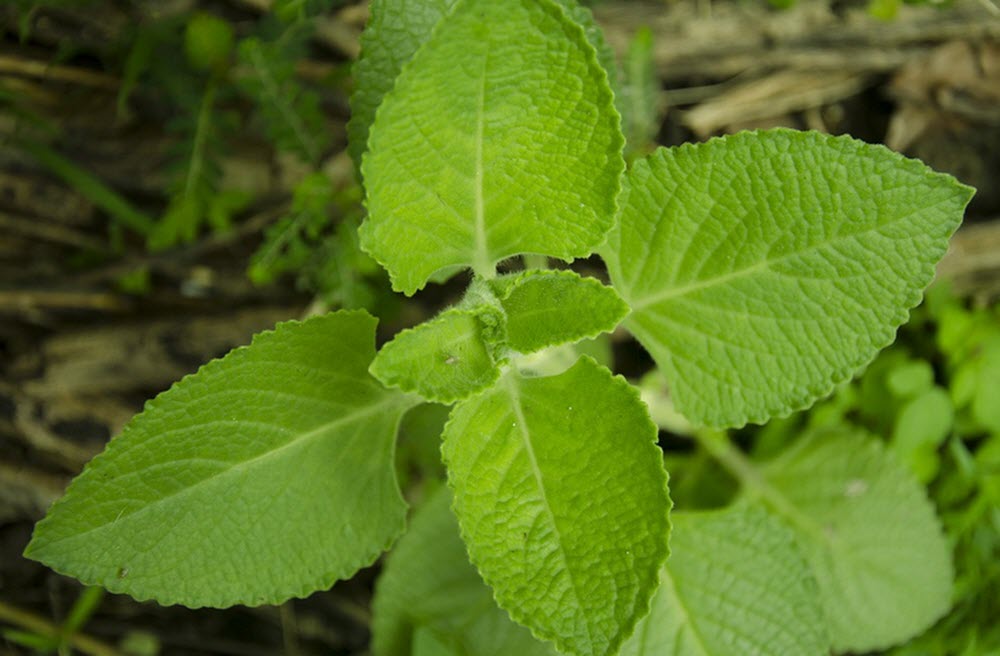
(764, 268)
(561, 497)
(241, 484)
(500, 137)
(870, 534)
(736, 583)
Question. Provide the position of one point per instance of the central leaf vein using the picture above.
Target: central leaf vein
(301, 440)
(522, 426)
(855, 237)
(483, 265)
(667, 582)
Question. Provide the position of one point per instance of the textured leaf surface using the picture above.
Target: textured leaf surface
(876, 548)
(428, 583)
(500, 137)
(545, 308)
(736, 583)
(396, 30)
(442, 360)
(763, 268)
(242, 484)
(561, 496)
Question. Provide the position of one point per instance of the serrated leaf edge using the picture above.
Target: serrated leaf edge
(808, 395)
(299, 592)
(401, 383)
(607, 100)
(876, 452)
(516, 279)
(647, 588)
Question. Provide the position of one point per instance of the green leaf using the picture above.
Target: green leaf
(736, 583)
(427, 643)
(545, 308)
(428, 584)
(922, 425)
(499, 138)
(584, 17)
(394, 32)
(876, 548)
(764, 268)
(561, 496)
(986, 400)
(442, 360)
(241, 484)
(910, 379)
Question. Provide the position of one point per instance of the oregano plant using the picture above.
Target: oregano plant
(759, 270)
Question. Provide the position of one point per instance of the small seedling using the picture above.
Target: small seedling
(759, 270)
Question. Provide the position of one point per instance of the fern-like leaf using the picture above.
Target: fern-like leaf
(318, 241)
(196, 173)
(290, 113)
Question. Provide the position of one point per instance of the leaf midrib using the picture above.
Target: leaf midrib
(664, 295)
(522, 428)
(481, 259)
(667, 579)
(239, 466)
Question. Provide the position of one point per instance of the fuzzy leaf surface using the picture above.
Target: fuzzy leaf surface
(545, 308)
(561, 498)
(500, 137)
(241, 483)
(429, 584)
(875, 545)
(442, 360)
(736, 583)
(396, 30)
(764, 268)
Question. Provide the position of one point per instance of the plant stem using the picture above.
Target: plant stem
(720, 447)
(37, 624)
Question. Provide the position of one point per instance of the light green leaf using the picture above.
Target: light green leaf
(442, 360)
(876, 548)
(427, 643)
(561, 496)
(545, 308)
(585, 19)
(499, 138)
(736, 583)
(428, 583)
(396, 29)
(910, 379)
(922, 425)
(986, 399)
(241, 484)
(764, 268)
